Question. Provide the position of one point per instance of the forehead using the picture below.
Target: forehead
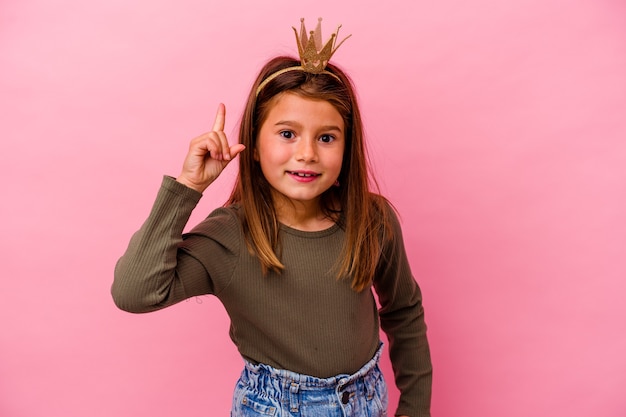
(297, 108)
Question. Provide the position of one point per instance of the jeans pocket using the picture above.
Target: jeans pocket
(379, 401)
(254, 406)
(248, 402)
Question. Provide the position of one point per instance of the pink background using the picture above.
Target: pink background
(498, 128)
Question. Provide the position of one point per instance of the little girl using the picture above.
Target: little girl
(294, 255)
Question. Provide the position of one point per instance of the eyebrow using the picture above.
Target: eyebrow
(296, 124)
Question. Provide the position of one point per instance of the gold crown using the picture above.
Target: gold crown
(313, 56)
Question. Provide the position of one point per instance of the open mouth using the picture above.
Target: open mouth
(303, 174)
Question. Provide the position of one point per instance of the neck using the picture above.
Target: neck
(307, 216)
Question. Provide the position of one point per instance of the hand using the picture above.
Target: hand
(208, 155)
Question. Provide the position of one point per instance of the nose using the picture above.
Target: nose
(306, 150)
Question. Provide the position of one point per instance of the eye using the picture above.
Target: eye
(287, 134)
(327, 138)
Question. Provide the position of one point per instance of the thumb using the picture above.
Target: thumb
(236, 149)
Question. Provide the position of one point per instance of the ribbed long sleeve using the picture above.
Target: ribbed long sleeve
(303, 319)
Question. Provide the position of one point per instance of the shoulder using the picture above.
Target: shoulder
(388, 224)
(221, 224)
(383, 211)
(226, 214)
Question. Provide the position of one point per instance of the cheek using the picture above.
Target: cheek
(339, 157)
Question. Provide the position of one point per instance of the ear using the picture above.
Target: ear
(255, 154)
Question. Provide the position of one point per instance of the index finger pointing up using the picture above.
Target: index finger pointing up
(220, 118)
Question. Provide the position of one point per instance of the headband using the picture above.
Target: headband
(313, 56)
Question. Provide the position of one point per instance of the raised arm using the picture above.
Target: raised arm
(155, 272)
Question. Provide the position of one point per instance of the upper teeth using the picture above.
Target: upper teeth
(300, 174)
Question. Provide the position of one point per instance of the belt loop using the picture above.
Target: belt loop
(294, 397)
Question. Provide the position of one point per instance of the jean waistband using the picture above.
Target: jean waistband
(310, 381)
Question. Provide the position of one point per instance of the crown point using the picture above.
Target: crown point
(314, 55)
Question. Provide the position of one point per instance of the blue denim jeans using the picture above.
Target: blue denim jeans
(265, 391)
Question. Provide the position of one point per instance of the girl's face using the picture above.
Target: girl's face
(300, 148)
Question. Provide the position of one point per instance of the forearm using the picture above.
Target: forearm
(411, 362)
(146, 276)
